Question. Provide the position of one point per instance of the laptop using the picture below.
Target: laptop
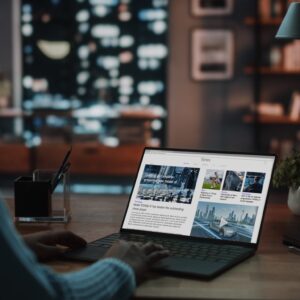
(207, 208)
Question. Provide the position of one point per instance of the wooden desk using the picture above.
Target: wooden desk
(273, 273)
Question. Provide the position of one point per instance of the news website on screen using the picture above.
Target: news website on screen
(207, 195)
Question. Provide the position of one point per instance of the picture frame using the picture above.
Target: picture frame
(212, 54)
(211, 7)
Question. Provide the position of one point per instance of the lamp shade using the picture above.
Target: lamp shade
(290, 26)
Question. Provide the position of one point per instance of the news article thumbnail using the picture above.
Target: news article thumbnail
(254, 182)
(168, 184)
(213, 179)
(224, 221)
(233, 181)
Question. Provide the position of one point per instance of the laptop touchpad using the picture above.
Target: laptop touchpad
(189, 266)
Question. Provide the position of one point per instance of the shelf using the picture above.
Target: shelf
(264, 22)
(140, 114)
(270, 71)
(13, 113)
(92, 158)
(272, 120)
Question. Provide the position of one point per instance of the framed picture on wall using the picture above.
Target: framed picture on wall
(211, 7)
(212, 54)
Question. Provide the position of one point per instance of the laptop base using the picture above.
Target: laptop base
(179, 266)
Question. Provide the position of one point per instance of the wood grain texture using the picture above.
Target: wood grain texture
(273, 273)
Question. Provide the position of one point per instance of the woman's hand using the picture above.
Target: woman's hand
(49, 244)
(139, 256)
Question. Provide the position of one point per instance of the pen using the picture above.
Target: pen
(62, 167)
(64, 171)
(66, 168)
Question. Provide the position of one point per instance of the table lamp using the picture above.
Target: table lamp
(290, 29)
(290, 26)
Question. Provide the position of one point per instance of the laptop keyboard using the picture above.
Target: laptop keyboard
(181, 248)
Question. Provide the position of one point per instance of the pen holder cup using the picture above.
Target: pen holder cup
(36, 202)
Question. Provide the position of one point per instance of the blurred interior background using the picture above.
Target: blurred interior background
(110, 77)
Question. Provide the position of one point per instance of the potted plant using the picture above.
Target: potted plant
(287, 174)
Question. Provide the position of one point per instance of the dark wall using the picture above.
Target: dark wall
(208, 114)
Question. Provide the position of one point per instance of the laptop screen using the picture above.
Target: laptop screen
(200, 194)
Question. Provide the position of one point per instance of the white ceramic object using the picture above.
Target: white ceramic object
(294, 201)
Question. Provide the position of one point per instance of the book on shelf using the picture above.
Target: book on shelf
(295, 106)
(291, 56)
(264, 9)
(277, 8)
(282, 147)
(270, 109)
(269, 9)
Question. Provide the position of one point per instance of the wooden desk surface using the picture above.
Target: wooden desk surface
(273, 273)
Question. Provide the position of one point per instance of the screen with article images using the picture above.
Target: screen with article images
(168, 184)
(200, 194)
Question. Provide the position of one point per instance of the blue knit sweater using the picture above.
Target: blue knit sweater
(22, 277)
